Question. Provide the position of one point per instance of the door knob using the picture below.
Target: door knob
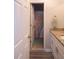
(29, 36)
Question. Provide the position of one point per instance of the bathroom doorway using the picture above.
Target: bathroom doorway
(37, 25)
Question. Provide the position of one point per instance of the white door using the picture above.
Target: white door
(21, 31)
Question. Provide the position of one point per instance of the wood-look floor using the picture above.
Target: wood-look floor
(38, 52)
(41, 54)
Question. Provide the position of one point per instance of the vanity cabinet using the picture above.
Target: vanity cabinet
(56, 47)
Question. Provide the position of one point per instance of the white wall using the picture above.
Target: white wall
(21, 29)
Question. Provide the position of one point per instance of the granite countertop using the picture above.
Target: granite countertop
(59, 34)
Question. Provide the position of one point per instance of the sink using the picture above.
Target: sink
(62, 37)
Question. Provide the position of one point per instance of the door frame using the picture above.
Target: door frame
(31, 22)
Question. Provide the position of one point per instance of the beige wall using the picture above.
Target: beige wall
(21, 29)
(52, 7)
(59, 12)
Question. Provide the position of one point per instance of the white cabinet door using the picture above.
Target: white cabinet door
(57, 48)
(52, 43)
(59, 54)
